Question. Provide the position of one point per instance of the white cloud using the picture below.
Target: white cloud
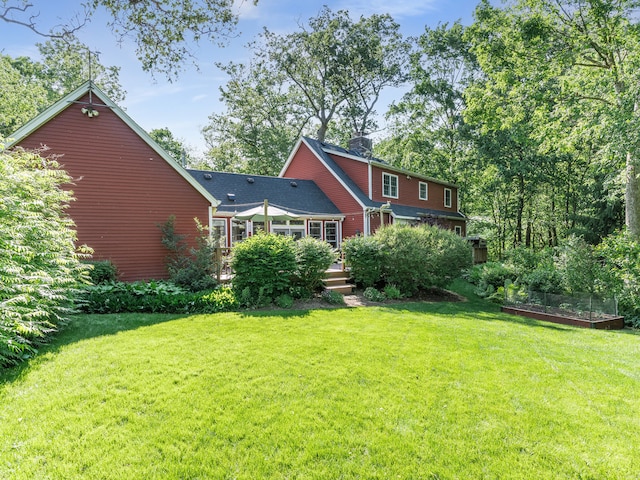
(197, 98)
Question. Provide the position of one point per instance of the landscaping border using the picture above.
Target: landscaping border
(611, 323)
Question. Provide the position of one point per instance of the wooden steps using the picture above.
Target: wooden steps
(338, 281)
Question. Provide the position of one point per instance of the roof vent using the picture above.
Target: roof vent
(208, 176)
(250, 180)
(231, 197)
(294, 184)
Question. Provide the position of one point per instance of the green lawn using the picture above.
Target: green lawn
(417, 391)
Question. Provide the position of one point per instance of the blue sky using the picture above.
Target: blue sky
(185, 104)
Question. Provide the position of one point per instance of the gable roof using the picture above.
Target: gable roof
(322, 151)
(317, 148)
(238, 192)
(90, 88)
(357, 156)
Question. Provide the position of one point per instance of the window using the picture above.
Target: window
(424, 191)
(238, 230)
(315, 230)
(458, 230)
(389, 185)
(447, 197)
(331, 233)
(291, 228)
(218, 232)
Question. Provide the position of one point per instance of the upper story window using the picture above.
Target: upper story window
(447, 197)
(423, 191)
(389, 185)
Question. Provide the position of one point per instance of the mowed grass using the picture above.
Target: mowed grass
(416, 391)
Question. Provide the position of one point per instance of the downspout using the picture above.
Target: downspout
(370, 179)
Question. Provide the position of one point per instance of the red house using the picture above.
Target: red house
(370, 192)
(124, 183)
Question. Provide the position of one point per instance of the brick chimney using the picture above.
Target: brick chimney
(361, 143)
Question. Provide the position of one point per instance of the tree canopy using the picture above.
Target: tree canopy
(323, 79)
(165, 32)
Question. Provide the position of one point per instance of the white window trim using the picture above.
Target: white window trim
(397, 185)
(458, 230)
(450, 197)
(426, 190)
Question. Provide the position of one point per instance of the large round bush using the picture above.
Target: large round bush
(416, 258)
(263, 265)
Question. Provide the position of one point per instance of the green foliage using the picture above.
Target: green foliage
(488, 277)
(193, 268)
(392, 292)
(102, 271)
(374, 295)
(27, 87)
(154, 297)
(390, 255)
(621, 275)
(364, 257)
(222, 299)
(421, 257)
(170, 144)
(263, 266)
(284, 301)
(580, 266)
(40, 267)
(332, 297)
(313, 258)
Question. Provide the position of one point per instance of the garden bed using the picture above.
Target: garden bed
(599, 321)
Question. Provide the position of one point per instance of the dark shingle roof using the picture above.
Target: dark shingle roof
(238, 192)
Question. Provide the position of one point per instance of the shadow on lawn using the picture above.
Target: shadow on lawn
(83, 327)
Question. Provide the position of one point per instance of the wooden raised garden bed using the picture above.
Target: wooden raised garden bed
(601, 321)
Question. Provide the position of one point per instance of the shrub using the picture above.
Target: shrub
(488, 277)
(621, 275)
(392, 292)
(421, 257)
(332, 297)
(580, 266)
(546, 279)
(222, 299)
(365, 258)
(262, 266)
(193, 268)
(121, 297)
(155, 297)
(313, 258)
(373, 294)
(40, 268)
(284, 301)
(102, 271)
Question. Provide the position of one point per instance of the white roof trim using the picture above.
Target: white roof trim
(73, 96)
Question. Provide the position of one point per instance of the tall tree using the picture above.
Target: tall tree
(27, 87)
(429, 134)
(261, 124)
(164, 31)
(593, 47)
(164, 137)
(329, 73)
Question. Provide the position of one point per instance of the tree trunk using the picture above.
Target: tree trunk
(632, 199)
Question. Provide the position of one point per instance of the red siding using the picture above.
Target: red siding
(305, 165)
(356, 170)
(123, 190)
(408, 192)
